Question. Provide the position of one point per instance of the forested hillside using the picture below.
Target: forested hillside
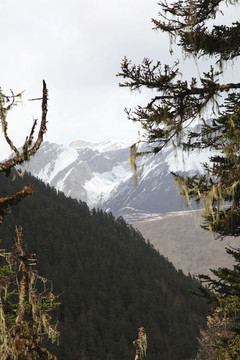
(110, 281)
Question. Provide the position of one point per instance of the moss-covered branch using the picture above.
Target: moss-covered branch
(29, 148)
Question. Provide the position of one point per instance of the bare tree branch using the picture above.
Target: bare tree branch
(27, 150)
(7, 202)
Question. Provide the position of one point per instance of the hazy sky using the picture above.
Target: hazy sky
(77, 47)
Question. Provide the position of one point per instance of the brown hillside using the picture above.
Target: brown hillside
(179, 237)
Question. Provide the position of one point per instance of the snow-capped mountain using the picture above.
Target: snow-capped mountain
(100, 174)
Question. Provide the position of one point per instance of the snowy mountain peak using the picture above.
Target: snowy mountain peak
(110, 144)
(79, 144)
(100, 174)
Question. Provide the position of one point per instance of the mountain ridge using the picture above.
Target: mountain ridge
(100, 174)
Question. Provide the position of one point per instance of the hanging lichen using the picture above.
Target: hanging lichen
(24, 311)
(141, 344)
(133, 157)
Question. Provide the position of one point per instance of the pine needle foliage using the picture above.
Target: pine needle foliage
(218, 189)
(221, 339)
(176, 115)
(177, 103)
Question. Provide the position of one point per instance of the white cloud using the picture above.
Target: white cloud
(77, 47)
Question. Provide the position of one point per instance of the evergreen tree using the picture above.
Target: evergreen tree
(177, 103)
(175, 115)
(221, 340)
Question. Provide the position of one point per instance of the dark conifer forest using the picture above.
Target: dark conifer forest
(109, 279)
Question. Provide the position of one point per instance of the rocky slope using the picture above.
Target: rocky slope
(179, 237)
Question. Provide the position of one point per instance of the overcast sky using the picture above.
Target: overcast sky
(77, 47)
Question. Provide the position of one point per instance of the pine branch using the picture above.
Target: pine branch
(7, 202)
(191, 13)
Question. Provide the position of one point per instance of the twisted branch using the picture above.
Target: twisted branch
(7, 202)
(27, 150)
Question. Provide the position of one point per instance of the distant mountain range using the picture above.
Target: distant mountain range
(100, 174)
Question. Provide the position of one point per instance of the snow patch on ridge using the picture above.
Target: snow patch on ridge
(66, 156)
(101, 185)
(182, 161)
(148, 169)
(61, 184)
